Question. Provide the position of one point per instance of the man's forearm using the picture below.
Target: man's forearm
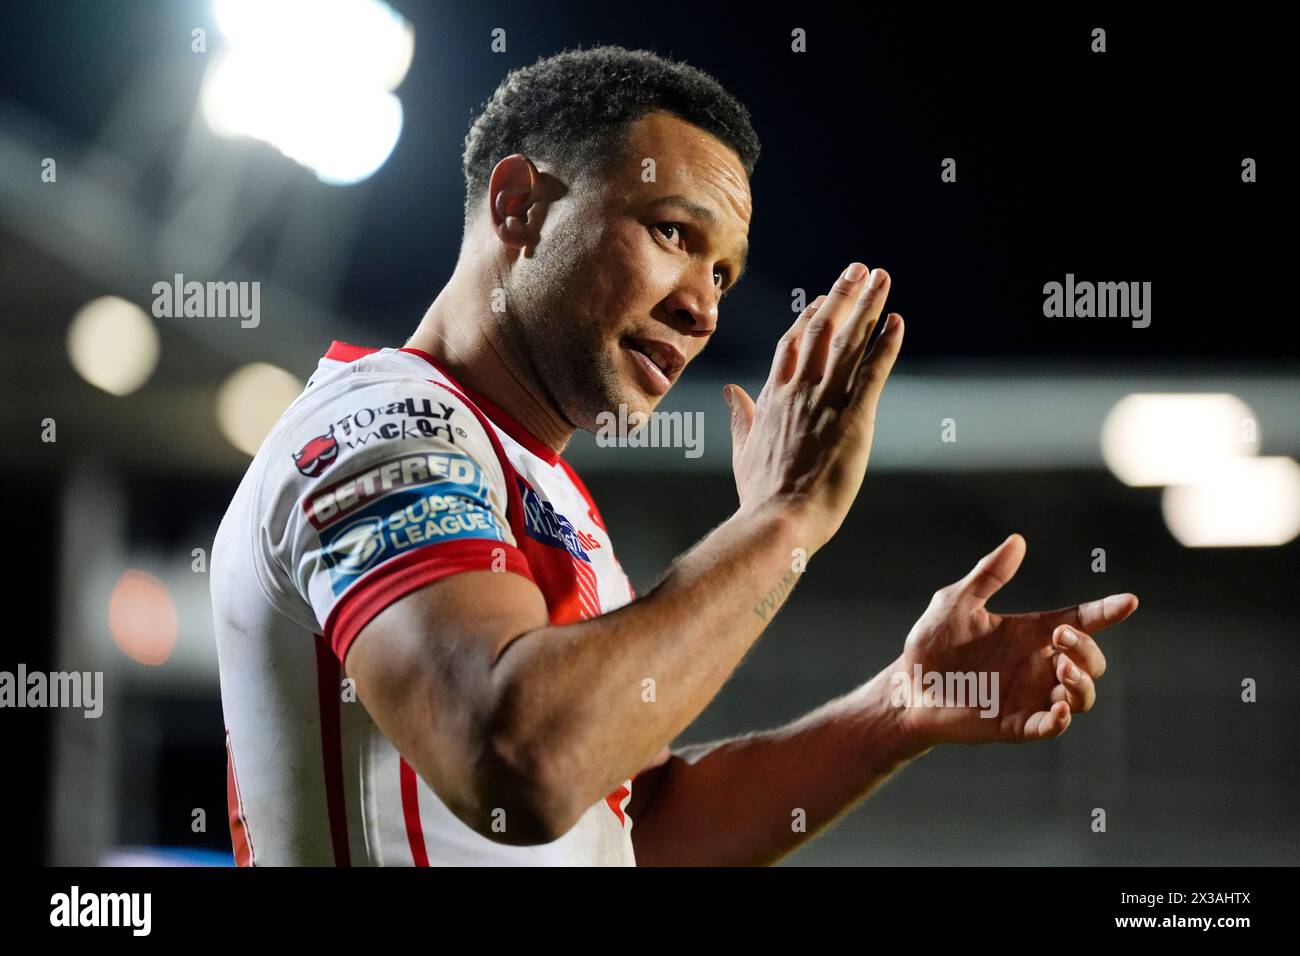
(751, 800)
(601, 698)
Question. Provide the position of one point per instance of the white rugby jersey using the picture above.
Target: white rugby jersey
(383, 476)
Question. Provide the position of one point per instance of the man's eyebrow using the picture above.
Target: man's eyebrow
(700, 211)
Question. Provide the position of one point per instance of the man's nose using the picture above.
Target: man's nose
(695, 309)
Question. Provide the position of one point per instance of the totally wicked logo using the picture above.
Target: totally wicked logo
(405, 418)
(318, 454)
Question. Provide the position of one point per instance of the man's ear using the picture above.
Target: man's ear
(515, 200)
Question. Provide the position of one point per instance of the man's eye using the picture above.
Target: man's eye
(669, 230)
(668, 226)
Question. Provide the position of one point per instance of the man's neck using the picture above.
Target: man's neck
(455, 331)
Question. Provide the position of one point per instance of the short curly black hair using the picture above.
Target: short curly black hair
(574, 108)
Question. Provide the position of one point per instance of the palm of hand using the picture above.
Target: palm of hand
(1024, 663)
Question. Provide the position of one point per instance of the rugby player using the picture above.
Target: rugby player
(429, 653)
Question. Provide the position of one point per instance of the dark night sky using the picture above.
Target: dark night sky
(1123, 166)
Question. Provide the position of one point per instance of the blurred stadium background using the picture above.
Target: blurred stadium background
(1123, 166)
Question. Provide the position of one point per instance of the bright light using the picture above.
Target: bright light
(1169, 439)
(142, 618)
(251, 401)
(364, 42)
(1242, 502)
(342, 133)
(313, 78)
(113, 345)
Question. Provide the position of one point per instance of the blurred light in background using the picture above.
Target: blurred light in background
(313, 78)
(1241, 502)
(113, 344)
(142, 618)
(1171, 439)
(251, 401)
(165, 856)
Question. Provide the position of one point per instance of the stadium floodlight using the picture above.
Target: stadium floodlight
(113, 345)
(1171, 439)
(142, 618)
(251, 401)
(312, 78)
(1241, 502)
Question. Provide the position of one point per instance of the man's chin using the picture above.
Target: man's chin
(624, 416)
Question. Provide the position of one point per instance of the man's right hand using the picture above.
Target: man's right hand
(498, 709)
(804, 446)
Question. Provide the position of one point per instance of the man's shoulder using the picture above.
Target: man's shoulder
(369, 427)
(374, 408)
(373, 461)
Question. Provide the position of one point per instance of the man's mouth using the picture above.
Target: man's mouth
(657, 362)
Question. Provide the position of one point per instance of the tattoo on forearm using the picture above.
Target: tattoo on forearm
(772, 601)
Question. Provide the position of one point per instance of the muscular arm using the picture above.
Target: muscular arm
(498, 710)
(751, 800)
(734, 802)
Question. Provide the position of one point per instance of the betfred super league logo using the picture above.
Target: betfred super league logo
(318, 454)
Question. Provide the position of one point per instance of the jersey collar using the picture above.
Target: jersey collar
(344, 352)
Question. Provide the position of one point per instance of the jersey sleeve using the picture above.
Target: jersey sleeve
(395, 485)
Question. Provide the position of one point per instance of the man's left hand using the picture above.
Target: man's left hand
(1046, 663)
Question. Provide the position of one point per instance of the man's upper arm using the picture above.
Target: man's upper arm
(423, 670)
(403, 549)
(391, 515)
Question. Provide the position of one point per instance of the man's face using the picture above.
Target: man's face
(623, 289)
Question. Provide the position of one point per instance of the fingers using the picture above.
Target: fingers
(1077, 663)
(864, 393)
(1095, 616)
(821, 328)
(742, 418)
(844, 354)
(1075, 686)
(1080, 648)
(827, 341)
(994, 569)
(1106, 612)
(1046, 724)
(786, 359)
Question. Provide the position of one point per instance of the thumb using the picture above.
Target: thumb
(742, 415)
(995, 569)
